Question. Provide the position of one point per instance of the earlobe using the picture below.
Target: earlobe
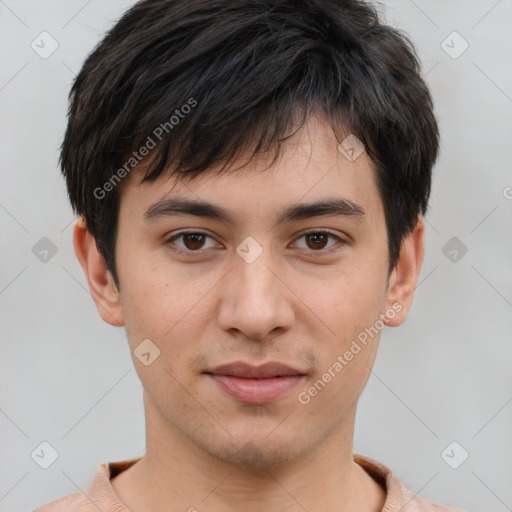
(404, 278)
(101, 284)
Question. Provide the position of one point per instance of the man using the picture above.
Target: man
(251, 178)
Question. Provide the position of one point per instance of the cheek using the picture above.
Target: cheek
(344, 301)
(151, 295)
(346, 308)
(172, 321)
(346, 355)
(171, 310)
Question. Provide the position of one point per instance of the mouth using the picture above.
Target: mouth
(256, 384)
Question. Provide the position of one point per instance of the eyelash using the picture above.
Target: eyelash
(313, 253)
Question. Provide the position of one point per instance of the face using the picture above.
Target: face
(260, 276)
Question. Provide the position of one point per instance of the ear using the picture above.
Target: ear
(101, 283)
(404, 277)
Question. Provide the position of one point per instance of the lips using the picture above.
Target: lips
(247, 371)
(256, 384)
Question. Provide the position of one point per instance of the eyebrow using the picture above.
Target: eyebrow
(181, 206)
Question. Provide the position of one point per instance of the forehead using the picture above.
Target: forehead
(310, 167)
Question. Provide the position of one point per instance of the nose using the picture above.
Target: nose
(255, 298)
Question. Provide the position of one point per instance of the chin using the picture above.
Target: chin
(261, 454)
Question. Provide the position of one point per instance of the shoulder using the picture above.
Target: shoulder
(100, 494)
(416, 503)
(75, 502)
(398, 497)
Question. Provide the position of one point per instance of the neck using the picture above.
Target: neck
(175, 474)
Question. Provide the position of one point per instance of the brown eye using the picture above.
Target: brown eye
(319, 243)
(193, 241)
(317, 240)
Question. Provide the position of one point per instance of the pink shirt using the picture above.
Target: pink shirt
(101, 495)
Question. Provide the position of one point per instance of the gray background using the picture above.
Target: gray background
(67, 377)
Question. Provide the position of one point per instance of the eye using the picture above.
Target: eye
(192, 241)
(317, 241)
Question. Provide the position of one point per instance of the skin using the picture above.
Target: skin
(205, 449)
